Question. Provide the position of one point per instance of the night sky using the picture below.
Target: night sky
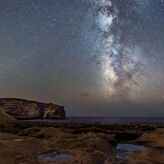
(95, 57)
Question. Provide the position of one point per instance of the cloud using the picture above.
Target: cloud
(84, 95)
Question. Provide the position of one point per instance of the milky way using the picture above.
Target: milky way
(85, 54)
(127, 48)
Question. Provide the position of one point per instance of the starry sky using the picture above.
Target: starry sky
(95, 57)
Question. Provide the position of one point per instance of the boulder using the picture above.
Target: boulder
(7, 122)
(25, 109)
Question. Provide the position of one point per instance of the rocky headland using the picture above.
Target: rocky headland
(25, 109)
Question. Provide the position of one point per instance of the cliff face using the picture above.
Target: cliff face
(25, 109)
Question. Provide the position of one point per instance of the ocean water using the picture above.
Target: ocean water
(108, 120)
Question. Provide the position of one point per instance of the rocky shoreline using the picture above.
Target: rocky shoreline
(37, 142)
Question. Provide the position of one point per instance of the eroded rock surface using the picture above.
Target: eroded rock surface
(25, 109)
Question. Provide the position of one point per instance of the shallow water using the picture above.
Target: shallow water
(54, 157)
(63, 157)
(126, 149)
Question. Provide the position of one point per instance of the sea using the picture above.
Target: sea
(108, 120)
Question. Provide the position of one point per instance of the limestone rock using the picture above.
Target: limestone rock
(25, 109)
(7, 122)
(54, 111)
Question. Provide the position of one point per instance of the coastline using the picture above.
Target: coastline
(105, 120)
(41, 142)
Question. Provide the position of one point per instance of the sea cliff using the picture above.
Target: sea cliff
(26, 109)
